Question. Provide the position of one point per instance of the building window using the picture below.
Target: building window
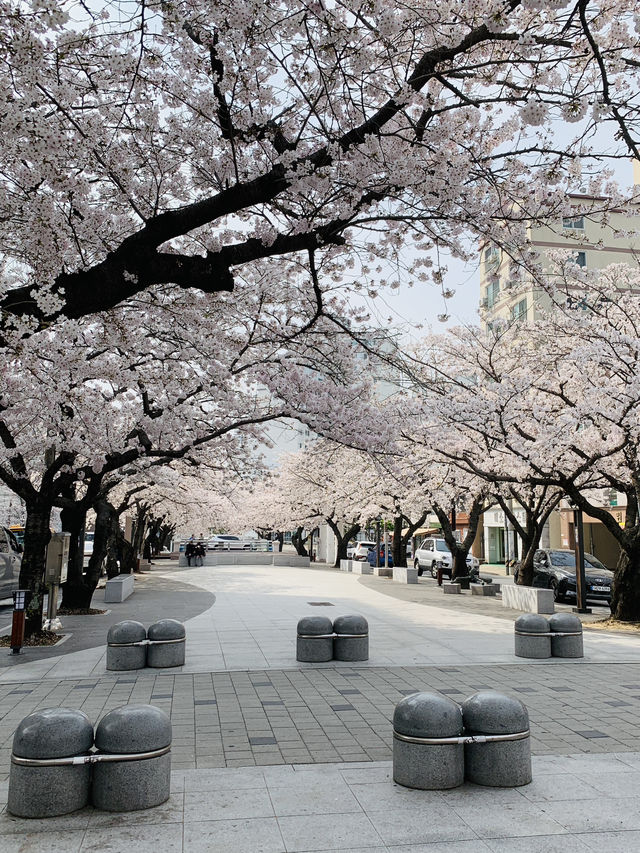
(580, 258)
(519, 311)
(492, 256)
(493, 291)
(573, 223)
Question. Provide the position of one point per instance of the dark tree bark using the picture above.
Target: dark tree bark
(75, 592)
(538, 507)
(37, 534)
(299, 541)
(460, 550)
(400, 541)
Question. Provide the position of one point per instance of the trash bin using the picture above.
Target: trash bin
(532, 638)
(41, 782)
(351, 640)
(166, 642)
(428, 750)
(134, 767)
(126, 647)
(499, 755)
(566, 636)
(315, 639)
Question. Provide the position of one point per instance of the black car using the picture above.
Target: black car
(556, 570)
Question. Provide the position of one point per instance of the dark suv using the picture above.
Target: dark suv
(556, 570)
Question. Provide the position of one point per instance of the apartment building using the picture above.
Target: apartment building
(593, 239)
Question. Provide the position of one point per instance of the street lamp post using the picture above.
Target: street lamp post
(581, 585)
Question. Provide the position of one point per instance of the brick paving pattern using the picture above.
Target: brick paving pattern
(327, 715)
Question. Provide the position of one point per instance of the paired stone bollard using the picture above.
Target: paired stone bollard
(532, 638)
(538, 637)
(319, 640)
(428, 752)
(52, 761)
(131, 646)
(498, 753)
(437, 744)
(41, 782)
(351, 638)
(135, 743)
(166, 644)
(126, 646)
(566, 636)
(315, 639)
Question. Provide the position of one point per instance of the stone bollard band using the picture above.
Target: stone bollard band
(462, 739)
(315, 636)
(549, 634)
(92, 758)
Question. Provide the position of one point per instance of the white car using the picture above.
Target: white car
(434, 551)
(361, 550)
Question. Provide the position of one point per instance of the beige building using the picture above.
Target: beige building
(594, 240)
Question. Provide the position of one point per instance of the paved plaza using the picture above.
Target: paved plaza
(274, 756)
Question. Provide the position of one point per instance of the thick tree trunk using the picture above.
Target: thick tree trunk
(460, 568)
(102, 532)
(76, 592)
(298, 542)
(525, 571)
(36, 537)
(625, 597)
(342, 539)
(399, 551)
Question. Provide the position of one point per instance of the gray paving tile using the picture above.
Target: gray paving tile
(142, 838)
(233, 836)
(322, 832)
(434, 823)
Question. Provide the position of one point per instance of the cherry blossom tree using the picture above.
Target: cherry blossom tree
(192, 143)
(109, 396)
(555, 405)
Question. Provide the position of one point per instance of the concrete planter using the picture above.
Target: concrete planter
(484, 588)
(404, 574)
(118, 589)
(358, 567)
(528, 598)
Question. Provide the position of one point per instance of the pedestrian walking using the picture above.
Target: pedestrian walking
(199, 554)
(190, 551)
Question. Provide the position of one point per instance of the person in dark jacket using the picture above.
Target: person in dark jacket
(199, 553)
(190, 551)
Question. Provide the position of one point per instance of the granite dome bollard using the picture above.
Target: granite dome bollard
(126, 647)
(135, 741)
(423, 758)
(314, 642)
(501, 756)
(566, 636)
(166, 644)
(351, 640)
(39, 790)
(531, 636)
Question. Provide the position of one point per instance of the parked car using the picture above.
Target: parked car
(433, 551)
(227, 542)
(371, 556)
(362, 549)
(556, 569)
(10, 561)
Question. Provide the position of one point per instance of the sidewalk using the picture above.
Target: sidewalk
(270, 755)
